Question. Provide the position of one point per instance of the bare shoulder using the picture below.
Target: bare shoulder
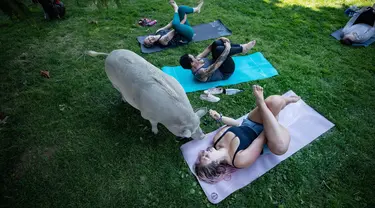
(220, 133)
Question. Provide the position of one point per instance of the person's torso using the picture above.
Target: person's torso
(216, 75)
(176, 40)
(241, 138)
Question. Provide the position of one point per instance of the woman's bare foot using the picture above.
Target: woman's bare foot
(258, 93)
(174, 5)
(198, 8)
(292, 99)
(248, 46)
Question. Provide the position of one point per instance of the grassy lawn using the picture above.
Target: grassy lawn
(70, 141)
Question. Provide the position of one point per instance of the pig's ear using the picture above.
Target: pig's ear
(186, 133)
(201, 112)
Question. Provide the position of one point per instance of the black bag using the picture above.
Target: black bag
(53, 8)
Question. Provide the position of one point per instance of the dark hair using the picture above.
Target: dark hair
(147, 45)
(185, 61)
(346, 41)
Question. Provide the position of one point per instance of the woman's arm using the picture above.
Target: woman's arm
(248, 156)
(208, 50)
(226, 120)
(168, 37)
(213, 67)
(183, 20)
(224, 39)
(363, 37)
(168, 26)
(205, 53)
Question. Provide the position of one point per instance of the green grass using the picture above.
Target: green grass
(70, 142)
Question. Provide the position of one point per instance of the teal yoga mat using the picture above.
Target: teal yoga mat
(248, 68)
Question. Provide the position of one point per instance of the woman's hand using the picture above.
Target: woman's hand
(224, 39)
(214, 114)
(227, 44)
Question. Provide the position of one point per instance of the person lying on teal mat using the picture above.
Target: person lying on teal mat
(182, 32)
(361, 27)
(221, 66)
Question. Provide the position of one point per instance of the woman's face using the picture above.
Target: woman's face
(150, 40)
(209, 155)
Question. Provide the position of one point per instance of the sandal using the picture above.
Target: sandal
(146, 22)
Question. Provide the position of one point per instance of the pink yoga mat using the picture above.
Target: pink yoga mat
(304, 125)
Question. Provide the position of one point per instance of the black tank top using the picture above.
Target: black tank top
(245, 134)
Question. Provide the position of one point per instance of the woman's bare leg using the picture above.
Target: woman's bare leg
(275, 103)
(277, 136)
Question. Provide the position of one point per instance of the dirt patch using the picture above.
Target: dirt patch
(49, 152)
(30, 158)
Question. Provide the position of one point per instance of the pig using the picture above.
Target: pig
(159, 97)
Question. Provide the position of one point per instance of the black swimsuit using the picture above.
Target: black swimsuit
(245, 134)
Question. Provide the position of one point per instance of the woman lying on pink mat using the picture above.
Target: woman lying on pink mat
(238, 144)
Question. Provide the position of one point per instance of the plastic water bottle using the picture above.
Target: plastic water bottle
(232, 91)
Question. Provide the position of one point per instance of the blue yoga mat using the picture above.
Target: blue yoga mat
(248, 68)
(337, 34)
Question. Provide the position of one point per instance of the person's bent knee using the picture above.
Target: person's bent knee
(175, 25)
(219, 49)
(274, 102)
(280, 148)
(282, 145)
(216, 43)
(189, 38)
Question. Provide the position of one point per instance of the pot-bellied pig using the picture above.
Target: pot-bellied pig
(159, 97)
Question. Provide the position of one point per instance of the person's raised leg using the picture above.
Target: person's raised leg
(235, 48)
(198, 8)
(248, 46)
(219, 50)
(182, 29)
(277, 136)
(184, 10)
(275, 104)
(182, 13)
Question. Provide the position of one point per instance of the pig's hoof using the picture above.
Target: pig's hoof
(155, 130)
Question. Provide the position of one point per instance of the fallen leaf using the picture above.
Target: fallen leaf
(45, 74)
(2, 115)
(93, 22)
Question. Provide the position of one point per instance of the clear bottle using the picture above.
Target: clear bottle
(232, 91)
